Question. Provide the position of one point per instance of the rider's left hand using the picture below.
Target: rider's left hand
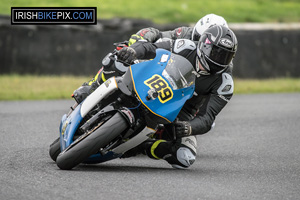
(183, 128)
(127, 55)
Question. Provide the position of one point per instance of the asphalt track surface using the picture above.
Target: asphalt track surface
(253, 153)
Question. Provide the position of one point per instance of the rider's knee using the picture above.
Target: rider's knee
(185, 155)
(184, 158)
(180, 155)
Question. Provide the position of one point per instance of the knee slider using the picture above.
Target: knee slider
(186, 153)
(185, 157)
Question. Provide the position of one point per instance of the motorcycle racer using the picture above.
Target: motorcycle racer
(212, 58)
(214, 85)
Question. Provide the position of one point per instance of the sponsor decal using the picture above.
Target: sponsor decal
(201, 22)
(207, 20)
(53, 15)
(129, 115)
(207, 41)
(107, 83)
(226, 42)
(224, 98)
(164, 58)
(143, 32)
(64, 128)
(178, 32)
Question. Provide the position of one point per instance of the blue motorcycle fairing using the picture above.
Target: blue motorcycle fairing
(68, 127)
(140, 72)
(67, 130)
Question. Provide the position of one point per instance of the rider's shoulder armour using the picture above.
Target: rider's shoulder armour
(183, 44)
(227, 85)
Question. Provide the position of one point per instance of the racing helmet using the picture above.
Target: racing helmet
(206, 22)
(216, 49)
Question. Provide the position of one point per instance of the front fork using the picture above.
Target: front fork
(72, 108)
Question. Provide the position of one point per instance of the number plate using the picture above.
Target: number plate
(156, 82)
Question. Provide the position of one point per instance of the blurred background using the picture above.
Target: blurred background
(267, 30)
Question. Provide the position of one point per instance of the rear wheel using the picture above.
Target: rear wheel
(54, 149)
(91, 143)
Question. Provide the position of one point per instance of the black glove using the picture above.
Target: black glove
(127, 55)
(183, 128)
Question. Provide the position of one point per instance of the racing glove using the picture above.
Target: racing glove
(134, 38)
(127, 55)
(183, 128)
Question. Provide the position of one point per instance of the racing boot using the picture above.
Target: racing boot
(140, 149)
(88, 87)
(180, 154)
(83, 91)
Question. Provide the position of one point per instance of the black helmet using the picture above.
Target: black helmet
(216, 49)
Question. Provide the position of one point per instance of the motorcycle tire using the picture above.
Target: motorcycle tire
(54, 150)
(83, 148)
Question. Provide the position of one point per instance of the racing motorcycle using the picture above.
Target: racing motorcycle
(124, 111)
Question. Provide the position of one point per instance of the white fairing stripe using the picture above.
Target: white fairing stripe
(135, 141)
(102, 91)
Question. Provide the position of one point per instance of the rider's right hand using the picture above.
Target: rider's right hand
(183, 129)
(127, 55)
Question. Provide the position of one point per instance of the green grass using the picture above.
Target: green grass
(280, 85)
(17, 87)
(179, 11)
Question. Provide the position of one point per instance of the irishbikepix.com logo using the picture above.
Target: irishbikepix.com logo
(53, 15)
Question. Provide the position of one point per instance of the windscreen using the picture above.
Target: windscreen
(179, 72)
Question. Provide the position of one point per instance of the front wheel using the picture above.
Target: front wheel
(84, 147)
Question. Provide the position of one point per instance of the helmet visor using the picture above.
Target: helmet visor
(209, 64)
(218, 55)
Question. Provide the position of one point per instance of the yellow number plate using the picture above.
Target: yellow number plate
(156, 82)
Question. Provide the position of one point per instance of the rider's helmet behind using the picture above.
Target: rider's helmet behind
(206, 22)
(216, 49)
